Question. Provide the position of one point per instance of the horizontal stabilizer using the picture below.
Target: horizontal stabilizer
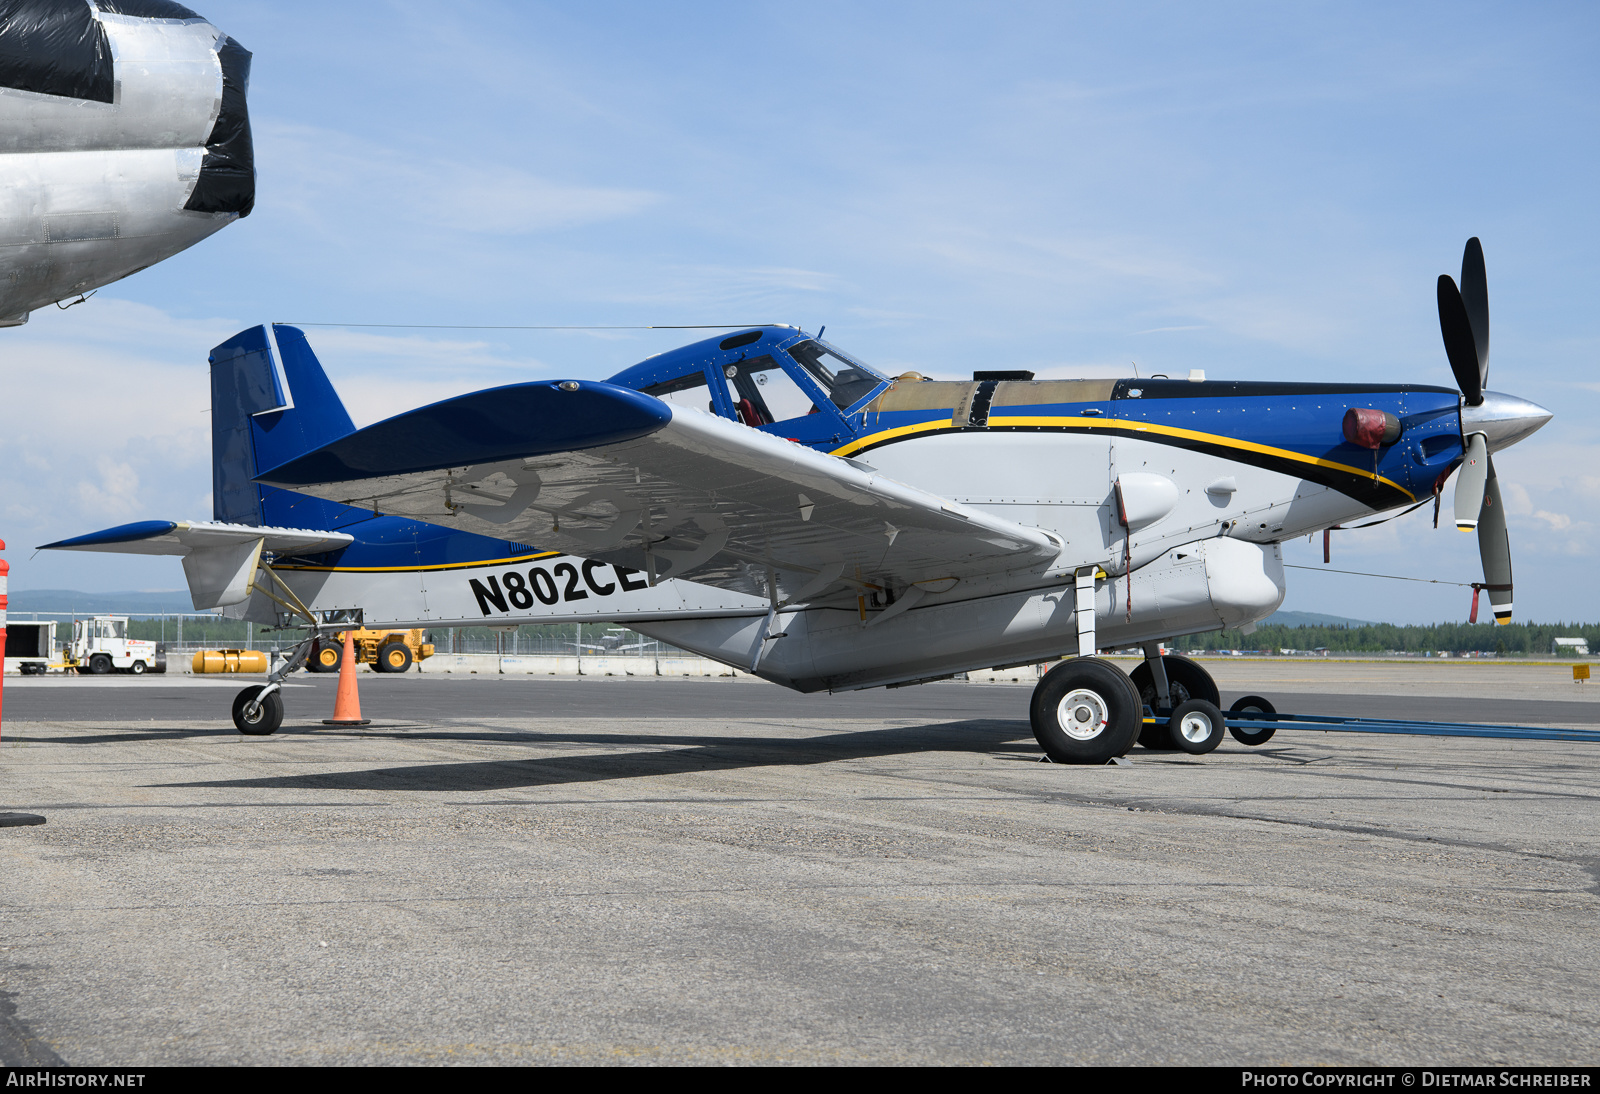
(167, 537)
(219, 560)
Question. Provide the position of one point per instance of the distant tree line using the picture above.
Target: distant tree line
(1511, 640)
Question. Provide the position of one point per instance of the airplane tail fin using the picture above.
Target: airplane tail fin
(254, 427)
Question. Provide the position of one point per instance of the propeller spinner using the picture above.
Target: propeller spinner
(1489, 422)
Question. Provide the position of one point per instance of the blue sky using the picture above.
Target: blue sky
(1261, 191)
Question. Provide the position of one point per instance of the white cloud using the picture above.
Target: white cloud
(330, 178)
(115, 493)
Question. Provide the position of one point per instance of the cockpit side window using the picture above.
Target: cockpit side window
(846, 382)
(762, 393)
(688, 391)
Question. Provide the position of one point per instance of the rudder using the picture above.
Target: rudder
(253, 427)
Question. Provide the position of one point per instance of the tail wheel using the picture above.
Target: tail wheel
(1083, 712)
(264, 719)
(1252, 704)
(395, 657)
(1185, 680)
(1196, 727)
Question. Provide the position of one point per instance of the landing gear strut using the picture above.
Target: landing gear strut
(258, 710)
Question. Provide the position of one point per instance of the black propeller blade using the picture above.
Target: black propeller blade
(1459, 344)
(1475, 297)
(1494, 547)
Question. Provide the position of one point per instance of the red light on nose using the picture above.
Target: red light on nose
(1369, 428)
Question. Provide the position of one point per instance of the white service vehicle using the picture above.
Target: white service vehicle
(100, 645)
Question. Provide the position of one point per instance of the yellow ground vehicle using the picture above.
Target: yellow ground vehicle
(385, 651)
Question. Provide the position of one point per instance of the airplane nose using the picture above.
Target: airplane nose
(1503, 419)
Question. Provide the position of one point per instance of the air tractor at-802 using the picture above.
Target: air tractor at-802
(767, 500)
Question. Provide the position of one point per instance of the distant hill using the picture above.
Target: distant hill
(1311, 619)
(72, 600)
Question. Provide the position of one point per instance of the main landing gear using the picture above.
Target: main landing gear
(1086, 711)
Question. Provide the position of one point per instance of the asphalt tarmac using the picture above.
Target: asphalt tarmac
(559, 870)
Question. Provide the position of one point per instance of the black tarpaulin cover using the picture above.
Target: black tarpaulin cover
(54, 47)
(227, 182)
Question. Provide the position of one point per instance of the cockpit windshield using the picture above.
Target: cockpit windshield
(847, 382)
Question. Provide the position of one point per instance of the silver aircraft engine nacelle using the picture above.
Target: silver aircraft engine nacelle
(124, 138)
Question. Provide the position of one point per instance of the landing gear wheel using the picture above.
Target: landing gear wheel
(268, 714)
(100, 664)
(324, 658)
(1082, 712)
(1185, 680)
(1196, 727)
(395, 657)
(1252, 736)
(137, 668)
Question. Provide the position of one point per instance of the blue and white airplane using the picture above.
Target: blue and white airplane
(767, 500)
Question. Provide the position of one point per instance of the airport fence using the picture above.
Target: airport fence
(186, 632)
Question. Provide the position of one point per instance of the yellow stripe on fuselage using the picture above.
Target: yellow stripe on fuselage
(1053, 422)
(418, 569)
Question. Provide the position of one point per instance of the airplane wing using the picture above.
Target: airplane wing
(221, 561)
(606, 472)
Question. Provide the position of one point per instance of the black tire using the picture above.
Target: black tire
(269, 713)
(324, 658)
(137, 668)
(100, 664)
(1138, 711)
(395, 657)
(1252, 736)
(1185, 680)
(1196, 726)
(1083, 712)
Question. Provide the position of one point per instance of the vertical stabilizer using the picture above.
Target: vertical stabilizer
(244, 383)
(254, 427)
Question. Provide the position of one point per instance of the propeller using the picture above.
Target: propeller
(1464, 323)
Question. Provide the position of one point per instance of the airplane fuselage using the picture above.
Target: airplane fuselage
(1179, 494)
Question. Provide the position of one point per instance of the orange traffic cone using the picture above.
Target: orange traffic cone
(347, 704)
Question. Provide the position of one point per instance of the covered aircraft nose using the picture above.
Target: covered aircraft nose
(124, 138)
(1503, 419)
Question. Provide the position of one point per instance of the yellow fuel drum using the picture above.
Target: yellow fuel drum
(230, 661)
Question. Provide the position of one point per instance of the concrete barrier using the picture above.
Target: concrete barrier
(572, 665)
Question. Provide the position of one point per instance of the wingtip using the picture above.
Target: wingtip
(122, 533)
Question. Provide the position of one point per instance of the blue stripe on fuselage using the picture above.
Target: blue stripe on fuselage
(1300, 418)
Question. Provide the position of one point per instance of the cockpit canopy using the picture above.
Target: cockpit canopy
(778, 379)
